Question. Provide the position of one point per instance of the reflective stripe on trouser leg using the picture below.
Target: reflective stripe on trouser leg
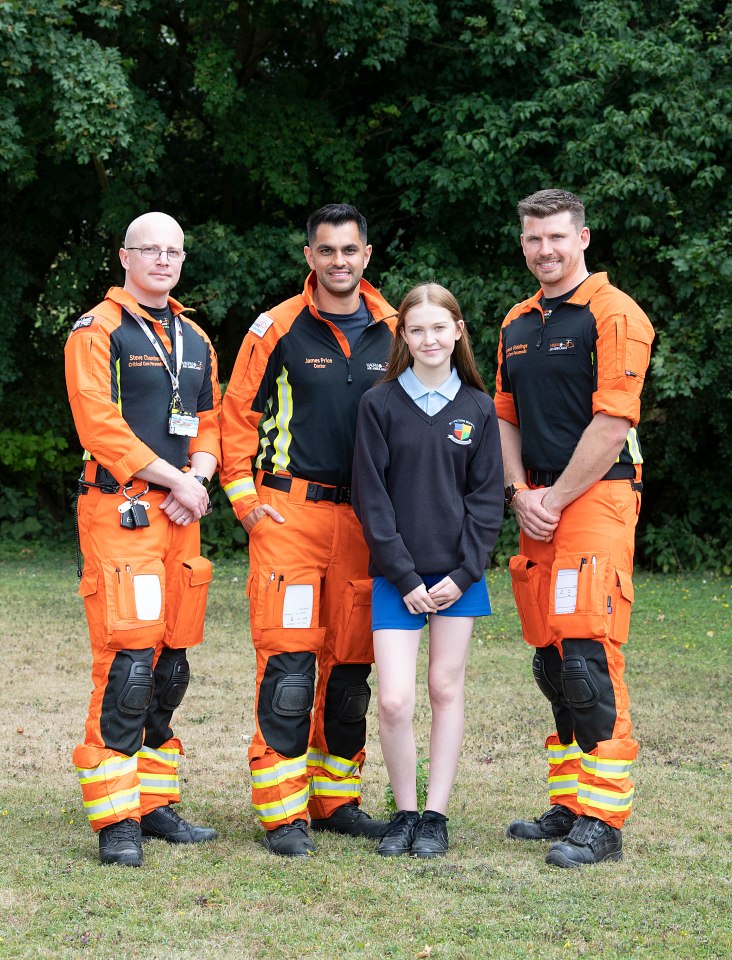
(605, 789)
(110, 787)
(564, 765)
(279, 789)
(277, 755)
(337, 752)
(158, 772)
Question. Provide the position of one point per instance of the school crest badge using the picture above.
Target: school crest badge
(462, 432)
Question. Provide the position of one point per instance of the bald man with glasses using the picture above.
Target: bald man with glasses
(143, 386)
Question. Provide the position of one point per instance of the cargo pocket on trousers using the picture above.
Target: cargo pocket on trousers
(620, 599)
(135, 602)
(354, 641)
(287, 598)
(195, 577)
(525, 577)
(578, 596)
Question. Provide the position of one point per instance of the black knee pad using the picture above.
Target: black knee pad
(293, 695)
(286, 701)
(172, 676)
(540, 670)
(129, 691)
(346, 702)
(579, 688)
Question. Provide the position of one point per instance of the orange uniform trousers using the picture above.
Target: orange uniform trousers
(145, 596)
(310, 602)
(574, 597)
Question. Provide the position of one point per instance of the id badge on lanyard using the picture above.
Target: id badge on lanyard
(181, 422)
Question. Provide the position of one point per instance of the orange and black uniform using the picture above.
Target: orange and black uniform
(145, 588)
(556, 369)
(288, 432)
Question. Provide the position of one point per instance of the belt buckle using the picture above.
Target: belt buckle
(343, 495)
(314, 492)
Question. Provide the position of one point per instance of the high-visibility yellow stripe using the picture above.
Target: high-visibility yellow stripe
(119, 803)
(604, 799)
(634, 445)
(339, 766)
(606, 767)
(108, 769)
(239, 488)
(281, 772)
(282, 808)
(560, 752)
(283, 437)
(322, 787)
(266, 427)
(168, 755)
(117, 369)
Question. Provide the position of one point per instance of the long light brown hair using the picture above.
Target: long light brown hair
(462, 356)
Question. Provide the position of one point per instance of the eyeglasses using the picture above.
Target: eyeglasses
(154, 253)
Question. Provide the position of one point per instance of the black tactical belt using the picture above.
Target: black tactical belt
(315, 492)
(105, 481)
(547, 478)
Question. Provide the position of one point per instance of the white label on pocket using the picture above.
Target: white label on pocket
(565, 591)
(148, 596)
(297, 610)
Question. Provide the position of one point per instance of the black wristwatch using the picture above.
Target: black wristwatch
(204, 480)
(511, 490)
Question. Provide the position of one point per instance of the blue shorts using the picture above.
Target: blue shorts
(389, 612)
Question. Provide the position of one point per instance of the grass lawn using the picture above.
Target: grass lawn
(671, 896)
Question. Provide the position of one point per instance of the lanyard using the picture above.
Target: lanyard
(178, 349)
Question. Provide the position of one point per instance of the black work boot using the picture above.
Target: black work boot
(120, 843)
(352, 821)
(166, 824)
(430, 836)
(290, 840)
(398, 838)
(589, 841)
(552, 825)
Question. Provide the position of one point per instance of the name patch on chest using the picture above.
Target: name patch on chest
(516, 350)
(462, 432)
(564, 345)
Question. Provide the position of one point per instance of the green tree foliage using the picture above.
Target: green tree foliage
(239, 118)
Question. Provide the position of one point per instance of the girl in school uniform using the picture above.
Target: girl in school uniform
(428, 490)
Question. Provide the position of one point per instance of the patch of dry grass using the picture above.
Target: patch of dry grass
(669, 897)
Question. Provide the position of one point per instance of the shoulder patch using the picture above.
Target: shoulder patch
(83, 322)
(261, 325)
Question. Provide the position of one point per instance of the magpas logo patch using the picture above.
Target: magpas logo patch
(566, 345)
(462, 432)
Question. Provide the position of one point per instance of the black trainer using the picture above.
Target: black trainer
(290, 840)
(166, 824)
(120, 843)
(398, 838)
(351, 820)
(430, 836)
(552, 825)
(589, 841)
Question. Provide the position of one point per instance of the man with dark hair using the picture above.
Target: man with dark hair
(571, 365)
(288, 432)
(143, 386)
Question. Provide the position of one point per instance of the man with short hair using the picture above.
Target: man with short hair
(143, 386)
(288, 432)
(571, 365)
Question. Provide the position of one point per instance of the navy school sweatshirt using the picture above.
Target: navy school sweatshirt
(427, 490)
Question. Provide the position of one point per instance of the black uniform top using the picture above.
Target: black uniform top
(588, 356)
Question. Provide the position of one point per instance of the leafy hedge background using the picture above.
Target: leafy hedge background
(239, 118)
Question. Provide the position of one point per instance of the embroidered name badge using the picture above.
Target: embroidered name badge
(462, 432)
(565, 345)
(261, 325)
(82, 322)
